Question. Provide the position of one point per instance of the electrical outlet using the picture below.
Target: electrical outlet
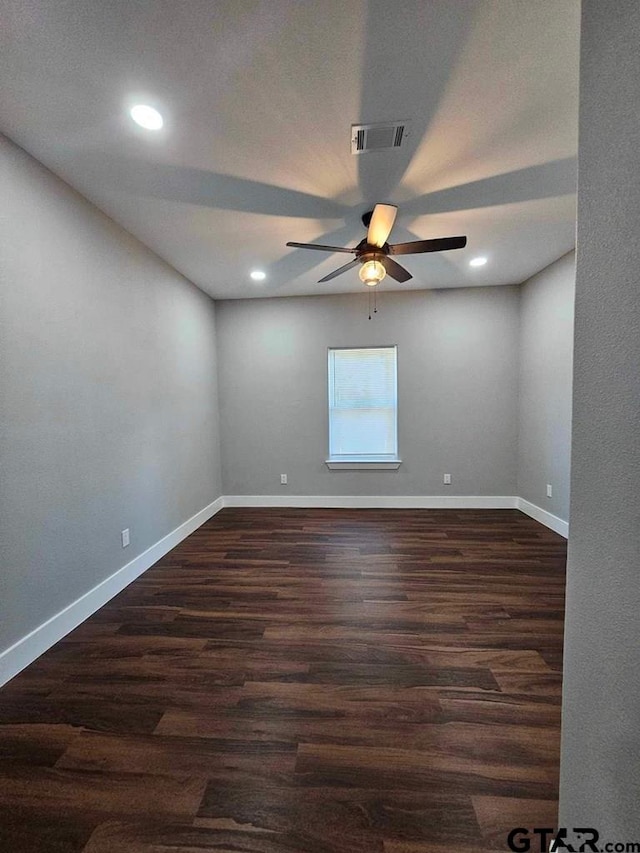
(283, 479)
(125, 537)
(447, 479)
(549, 490)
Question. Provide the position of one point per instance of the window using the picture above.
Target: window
(363, 408)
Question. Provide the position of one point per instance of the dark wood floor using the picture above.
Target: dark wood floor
(359, 681)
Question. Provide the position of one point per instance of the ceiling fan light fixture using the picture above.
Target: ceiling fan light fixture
(372, 272)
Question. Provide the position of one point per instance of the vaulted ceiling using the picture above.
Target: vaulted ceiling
(258, 98)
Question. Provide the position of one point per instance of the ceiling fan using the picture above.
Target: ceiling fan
(373, 251)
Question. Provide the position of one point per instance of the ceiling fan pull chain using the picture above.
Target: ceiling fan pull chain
(369, 304)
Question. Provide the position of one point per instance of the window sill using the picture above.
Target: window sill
(371, 464)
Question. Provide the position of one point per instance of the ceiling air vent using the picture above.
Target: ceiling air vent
(384, 136)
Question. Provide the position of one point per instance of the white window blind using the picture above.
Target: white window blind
(363, 403)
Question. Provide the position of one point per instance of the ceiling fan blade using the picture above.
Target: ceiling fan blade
(394, 269)
(382, 219)
(340, 270)
(320, 248)
(439, 244)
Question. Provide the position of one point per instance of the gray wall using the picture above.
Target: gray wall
(546, 365)
(600, 779)
(107, 396)
(457, 386)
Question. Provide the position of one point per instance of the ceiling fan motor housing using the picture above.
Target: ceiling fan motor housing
(372, 253)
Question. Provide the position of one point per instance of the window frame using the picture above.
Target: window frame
(364, 461)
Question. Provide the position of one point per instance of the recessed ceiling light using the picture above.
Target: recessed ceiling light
(477, 262)
(147, 117)
(258, 275)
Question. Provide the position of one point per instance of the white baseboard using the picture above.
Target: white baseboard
(25, 651)
(404, 502)
(375, 501)
(548, 519)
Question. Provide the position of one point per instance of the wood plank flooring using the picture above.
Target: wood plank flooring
(301, 681)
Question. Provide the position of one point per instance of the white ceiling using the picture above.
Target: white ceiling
(259, 97)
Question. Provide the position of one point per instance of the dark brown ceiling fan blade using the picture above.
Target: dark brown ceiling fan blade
(439, 244)
(394, 269)
(340, 270)
(320, 248)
